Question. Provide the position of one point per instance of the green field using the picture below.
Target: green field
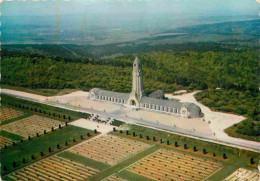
(10, 135)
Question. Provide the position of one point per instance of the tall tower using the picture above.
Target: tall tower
(137, 84)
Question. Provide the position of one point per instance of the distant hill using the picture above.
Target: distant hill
(251, 27)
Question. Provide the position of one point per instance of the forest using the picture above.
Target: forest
(234, 70)
(238, 102)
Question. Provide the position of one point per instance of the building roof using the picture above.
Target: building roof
(159, 94)
(194, 109)
(160, 102)
(118, 95)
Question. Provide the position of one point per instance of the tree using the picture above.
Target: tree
(33, 157)
(195, 149)
(176, 144)
(59, 126)
(95, 131)
(204, 151)
(141, 136)
(114, 129)
(49, 149)
(185, 146)
(5, 168)
(121, 131)
(66, 124)
(88, 134)
(214, 154)
(168, 142)
(154, 139)
(127, 132)
(58, 146)
(21, 140)
(81, 137)
(13, 143)
(134, 134)
(14, 164)
(37, 134)
(45, 132)
(42, 154)
(161, 140)
(252, 161)
(74, 140)
(64, 117)
(52, 128)
(66, 143)
(69, 118)
(224, 156)
(24, 161)
(147, 137)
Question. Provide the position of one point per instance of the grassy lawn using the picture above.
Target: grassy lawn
(42, 109)
(117, 123)
(10, 135)
(191, 142)
(130, 176)
(43, 92)
(84, 160)
(41, 144)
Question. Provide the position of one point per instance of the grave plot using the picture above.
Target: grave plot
(31, 125)
(109, 149)
(172, 165)
(8, 113)
(243, 174)
(54, 168)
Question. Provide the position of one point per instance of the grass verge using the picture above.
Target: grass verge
(130, 176)
(12, 136)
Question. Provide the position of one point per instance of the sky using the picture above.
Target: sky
(132, 7)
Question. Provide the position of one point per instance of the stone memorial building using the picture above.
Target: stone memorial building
(139, 100)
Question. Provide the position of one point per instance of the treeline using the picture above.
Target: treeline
(244, 103)
(82, 52)
(167, 71)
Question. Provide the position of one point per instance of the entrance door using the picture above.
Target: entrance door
(132, 103)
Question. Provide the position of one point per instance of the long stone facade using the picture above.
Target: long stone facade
(139, 100)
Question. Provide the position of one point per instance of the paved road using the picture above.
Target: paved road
(233, 142)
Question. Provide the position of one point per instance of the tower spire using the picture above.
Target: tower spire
(137, 83)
